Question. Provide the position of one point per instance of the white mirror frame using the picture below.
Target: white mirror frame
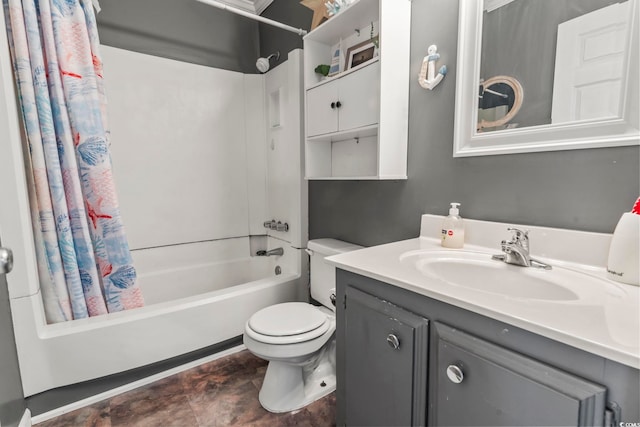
(621, 131)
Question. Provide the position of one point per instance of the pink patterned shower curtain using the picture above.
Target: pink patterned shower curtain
(85, 266)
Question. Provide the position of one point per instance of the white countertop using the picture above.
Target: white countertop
(603, 320)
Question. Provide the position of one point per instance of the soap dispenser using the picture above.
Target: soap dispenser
(453, 229)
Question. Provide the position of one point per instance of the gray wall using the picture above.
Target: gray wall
(578, 189)
(519, 40)
(184, 30)
(189, 31)
(273, 39)
(12, 403)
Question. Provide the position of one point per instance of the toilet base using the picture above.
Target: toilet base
(287, 387)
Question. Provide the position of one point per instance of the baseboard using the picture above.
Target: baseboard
(26, 420)
(127, 387)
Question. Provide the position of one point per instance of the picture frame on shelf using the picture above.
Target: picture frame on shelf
(334, 67)
(361, 53)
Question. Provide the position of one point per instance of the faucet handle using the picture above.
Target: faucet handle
(518, 233)
(520, 236)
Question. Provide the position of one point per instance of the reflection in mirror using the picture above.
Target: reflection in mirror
(567, 54)
(499, 101)
(576, 61)
(589, 65)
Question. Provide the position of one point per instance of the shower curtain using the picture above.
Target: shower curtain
(84, 263)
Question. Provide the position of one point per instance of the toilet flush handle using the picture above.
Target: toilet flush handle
(309, 252)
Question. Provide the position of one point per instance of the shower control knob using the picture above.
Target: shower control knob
(338, 104)
(282, 227)
(6, 260)
(333, 105)
(455, 374)
(333, 298)
(393, 341)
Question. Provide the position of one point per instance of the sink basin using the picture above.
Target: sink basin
(477, 271)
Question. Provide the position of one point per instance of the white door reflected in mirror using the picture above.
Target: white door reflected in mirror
(589, 68)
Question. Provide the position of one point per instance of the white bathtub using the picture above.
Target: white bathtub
(197, 295)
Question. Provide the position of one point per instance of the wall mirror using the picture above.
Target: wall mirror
(543, 75)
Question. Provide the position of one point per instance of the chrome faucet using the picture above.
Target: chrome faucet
(276, 251)
(516, 251)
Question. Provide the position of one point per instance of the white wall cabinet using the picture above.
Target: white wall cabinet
(346, 103)
(357, 120)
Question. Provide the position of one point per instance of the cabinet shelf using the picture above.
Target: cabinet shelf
(356, 16)
(343, 178)
(346, 135)
(343, 73)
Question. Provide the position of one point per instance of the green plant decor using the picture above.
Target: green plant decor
(322, 69)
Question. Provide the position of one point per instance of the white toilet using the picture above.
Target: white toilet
(298, 339)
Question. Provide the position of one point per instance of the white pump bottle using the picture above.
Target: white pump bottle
(453, 229)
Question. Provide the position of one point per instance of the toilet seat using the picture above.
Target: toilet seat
(288, 323)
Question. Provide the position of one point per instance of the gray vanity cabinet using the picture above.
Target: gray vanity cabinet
(385, 364)
(474, 370)
(479, 383)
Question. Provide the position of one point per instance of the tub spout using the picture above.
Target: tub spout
(276, 251)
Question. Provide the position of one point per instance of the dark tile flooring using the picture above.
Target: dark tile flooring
(219, 393)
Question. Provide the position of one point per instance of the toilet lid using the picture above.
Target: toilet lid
(287, 319)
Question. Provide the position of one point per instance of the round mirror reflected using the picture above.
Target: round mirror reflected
(499, 100)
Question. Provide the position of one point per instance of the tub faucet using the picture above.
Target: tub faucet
(276, 251)
(516, 251)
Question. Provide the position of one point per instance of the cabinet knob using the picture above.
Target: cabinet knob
(393, 341)
(338, 104)
(333, 105)
(455, 374)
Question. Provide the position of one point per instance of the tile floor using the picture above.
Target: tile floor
(219, 393)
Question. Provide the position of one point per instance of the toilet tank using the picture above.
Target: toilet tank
(323, 275)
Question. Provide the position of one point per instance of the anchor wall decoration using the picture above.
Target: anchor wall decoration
(427, 77)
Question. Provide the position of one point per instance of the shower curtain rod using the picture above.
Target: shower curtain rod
(231, 9)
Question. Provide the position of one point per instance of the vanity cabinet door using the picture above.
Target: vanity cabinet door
(386, 363)
(479, 383)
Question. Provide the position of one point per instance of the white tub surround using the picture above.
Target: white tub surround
(603, 320)
(179, 148)
(287, 199)
(197, 174)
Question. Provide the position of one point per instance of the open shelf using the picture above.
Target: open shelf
(356, 16)
(342, 178)
(346, 135)
(343, 73)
